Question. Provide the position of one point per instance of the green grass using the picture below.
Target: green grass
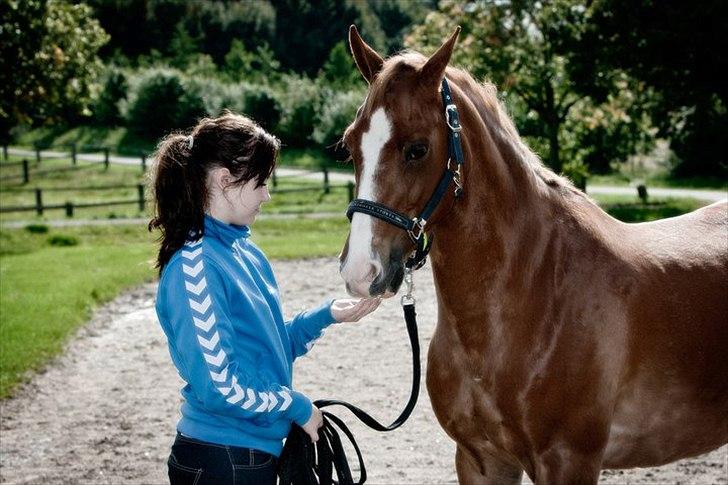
(47, 292)
(14, 193)
(628, 208)
(660, 180)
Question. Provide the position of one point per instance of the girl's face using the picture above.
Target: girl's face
(235, 204)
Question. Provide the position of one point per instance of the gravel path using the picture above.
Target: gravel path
(105, 411)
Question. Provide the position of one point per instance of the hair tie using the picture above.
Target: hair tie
(190, 142)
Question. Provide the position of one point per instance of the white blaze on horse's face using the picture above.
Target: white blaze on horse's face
(362, 265)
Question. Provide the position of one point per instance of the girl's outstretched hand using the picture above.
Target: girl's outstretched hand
(353, 310)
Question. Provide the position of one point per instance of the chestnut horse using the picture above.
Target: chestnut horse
(566, 341)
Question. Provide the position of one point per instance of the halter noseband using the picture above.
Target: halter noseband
(415, 226)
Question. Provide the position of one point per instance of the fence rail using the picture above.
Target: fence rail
(70, 207)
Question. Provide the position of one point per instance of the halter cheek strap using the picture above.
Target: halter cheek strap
(415, 226)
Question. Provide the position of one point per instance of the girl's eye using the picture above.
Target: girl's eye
(415, 151)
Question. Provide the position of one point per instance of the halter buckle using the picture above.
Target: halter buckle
(451, 108)
(419, 224)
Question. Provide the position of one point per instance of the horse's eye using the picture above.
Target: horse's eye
(415, 151)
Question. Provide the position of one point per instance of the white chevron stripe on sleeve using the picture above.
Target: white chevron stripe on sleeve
(201, 307)
(251, 399)
(192, 244)
(192, 271)
(264, 405)
(215, 360)
(273, 401)
(205, 325)
(226, 390)
(219, 376)
(238, 396)
(286, 400)
(210, 343)
(191, 254)
(198, 288)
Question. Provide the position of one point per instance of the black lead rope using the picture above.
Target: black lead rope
(303, 463)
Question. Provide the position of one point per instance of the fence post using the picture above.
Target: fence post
(642, 192)
(327, 188)
(106, 158)
(350, 189)
(37, 154)
(26, 172)
(5, 151)
(39, 202)
(275, 179)
(140, 190)
(73, 154)
(69, 209)
(144, 162)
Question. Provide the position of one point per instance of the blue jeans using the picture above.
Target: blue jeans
(195, 462)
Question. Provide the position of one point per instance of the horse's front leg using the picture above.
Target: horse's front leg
(567, 467)
(484, 469)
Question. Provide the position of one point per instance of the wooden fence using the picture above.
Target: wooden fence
(39, 207)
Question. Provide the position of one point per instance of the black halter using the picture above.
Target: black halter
(415, 226)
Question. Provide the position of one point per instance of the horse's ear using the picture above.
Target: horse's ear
(366, 58)
(434, 68)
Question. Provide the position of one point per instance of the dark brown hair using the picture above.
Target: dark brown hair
(179, 178)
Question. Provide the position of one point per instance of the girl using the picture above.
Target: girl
(219, 306)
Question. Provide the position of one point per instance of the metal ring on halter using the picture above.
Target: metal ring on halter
(456, 127)
(418, 223)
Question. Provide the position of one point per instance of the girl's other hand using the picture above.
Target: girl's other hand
(313, 424)
(353, 310)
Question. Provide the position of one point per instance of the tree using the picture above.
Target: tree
(673, 47)
(515, 44)
(53, 46)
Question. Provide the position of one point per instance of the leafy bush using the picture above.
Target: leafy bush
(160, 101)
(262, 106)
(106, 107)
(299, 98)
(335, 115)
(62, 240)
(36, 228)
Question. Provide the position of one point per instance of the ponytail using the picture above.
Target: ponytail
(180, 192)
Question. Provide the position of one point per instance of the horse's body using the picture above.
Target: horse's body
(567, 341)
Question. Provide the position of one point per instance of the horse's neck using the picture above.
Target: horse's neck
(517, 219)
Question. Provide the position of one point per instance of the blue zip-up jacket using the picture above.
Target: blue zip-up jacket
(218, 304)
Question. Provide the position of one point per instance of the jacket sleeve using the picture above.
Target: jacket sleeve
(221, 376)
(307, 327)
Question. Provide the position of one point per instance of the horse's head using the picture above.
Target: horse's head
(399, 146)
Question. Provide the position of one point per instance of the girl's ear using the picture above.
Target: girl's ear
(220, 178)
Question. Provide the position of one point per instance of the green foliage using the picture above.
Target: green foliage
(53, 46)
(262, 106)
(299, 98)
(62, 240)
(259, 66)
(672, 47)
(335, 114)
(36, 228)
(161, 101)
(106, 106)
(339, 70)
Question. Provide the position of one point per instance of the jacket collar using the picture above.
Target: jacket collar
(227, 233)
